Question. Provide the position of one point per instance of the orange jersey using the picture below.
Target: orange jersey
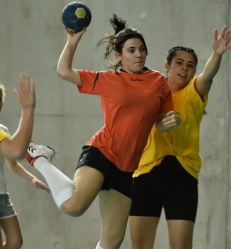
(130, 104)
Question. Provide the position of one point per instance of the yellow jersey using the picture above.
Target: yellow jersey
(181, 142)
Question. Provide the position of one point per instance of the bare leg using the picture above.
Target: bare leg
(143, 231)
(114, 210)
(87, 183)
(72, 196)
(11, 228)
(180, 234)
(1, 244)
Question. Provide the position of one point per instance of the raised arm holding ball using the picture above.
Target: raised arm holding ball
(133, 98)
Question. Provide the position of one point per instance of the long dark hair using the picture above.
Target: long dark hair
(172, 52)
(116, 41)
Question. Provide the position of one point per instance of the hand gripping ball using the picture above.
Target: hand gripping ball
(76, 16)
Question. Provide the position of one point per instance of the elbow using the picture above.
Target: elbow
(12, 150)
(19, 154)
(63, 73)
(60, 73)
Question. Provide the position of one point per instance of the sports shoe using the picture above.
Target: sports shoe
(35, 151)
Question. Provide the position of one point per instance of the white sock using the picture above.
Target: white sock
(98, 246)
(61, 186)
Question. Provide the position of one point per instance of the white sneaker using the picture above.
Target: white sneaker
(35, 151)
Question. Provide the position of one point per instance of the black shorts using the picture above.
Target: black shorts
(167, 186)
(114, 178)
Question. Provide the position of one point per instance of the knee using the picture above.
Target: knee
(73, 209)
(181, 246)
(116, 243)
(113, 240)
(15, 244)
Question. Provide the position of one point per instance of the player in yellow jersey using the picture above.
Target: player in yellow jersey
(167, 175)
(15, 146)
(12, 148)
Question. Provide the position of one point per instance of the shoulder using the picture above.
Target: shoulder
(4, 128)
(155, 75)
(4, 133)
(191, 93)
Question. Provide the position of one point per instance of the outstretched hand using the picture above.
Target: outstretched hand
(220, 42)
(26, 91)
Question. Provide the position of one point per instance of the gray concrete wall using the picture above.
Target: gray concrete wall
(31, 39)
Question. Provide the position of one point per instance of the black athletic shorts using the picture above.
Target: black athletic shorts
(167, 186)
(114, 178)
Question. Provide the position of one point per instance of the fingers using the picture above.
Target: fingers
(227, 36)
(223, 31)
(220, 42)
(215, 34)
(26, 91)
(79, 34)
(72, 32)
(226, 33)
(172, 119)
(25, 82)
(38, 184)
(169, 113)
(46, 188)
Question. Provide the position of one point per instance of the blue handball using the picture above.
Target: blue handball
(76, 16)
